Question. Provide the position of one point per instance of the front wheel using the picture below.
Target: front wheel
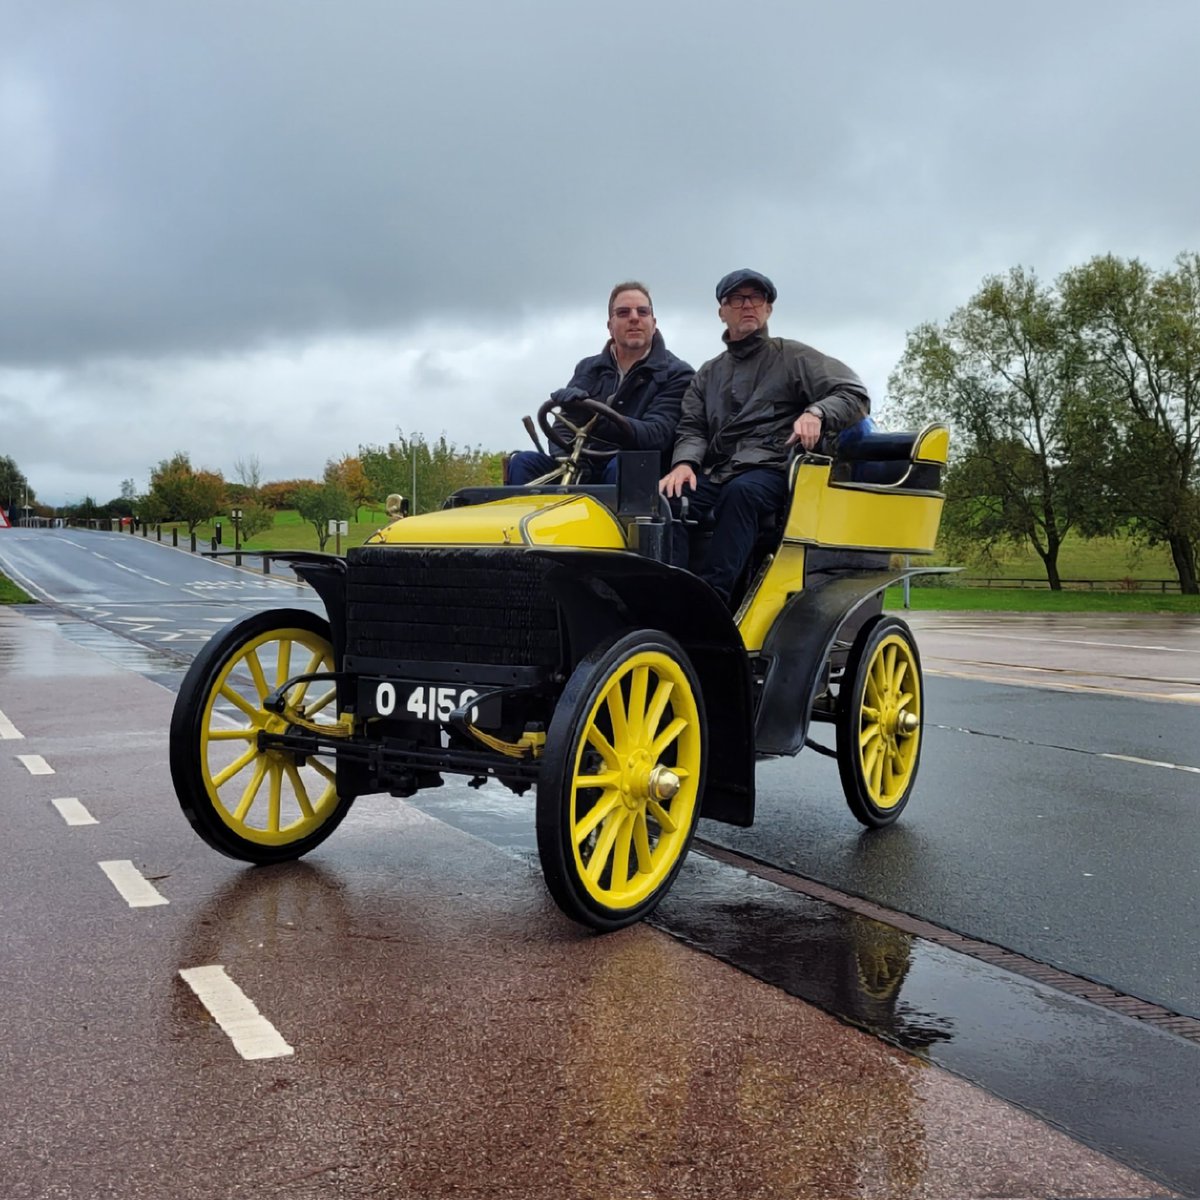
(255, 804)
(621, 783)
(879, 721)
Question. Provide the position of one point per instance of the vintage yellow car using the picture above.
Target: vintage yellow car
(542, 637)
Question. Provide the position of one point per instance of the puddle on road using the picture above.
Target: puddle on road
(38, 656)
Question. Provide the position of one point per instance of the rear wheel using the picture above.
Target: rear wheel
(258, 805)
(879, 721)
(621, 784)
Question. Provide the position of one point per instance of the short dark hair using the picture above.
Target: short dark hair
(630, 285)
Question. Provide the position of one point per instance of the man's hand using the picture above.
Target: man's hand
(567, 400)
(806, 430)
(672, 483)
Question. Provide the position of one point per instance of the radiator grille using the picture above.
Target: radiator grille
(464, 606)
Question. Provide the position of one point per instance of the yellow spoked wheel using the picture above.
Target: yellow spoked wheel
(880, 716)
(622, 780)
(259, 805)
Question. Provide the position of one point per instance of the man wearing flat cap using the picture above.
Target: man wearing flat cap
(741, 414)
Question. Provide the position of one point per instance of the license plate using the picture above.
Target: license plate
(406, 700)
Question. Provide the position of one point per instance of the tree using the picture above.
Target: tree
(318, 504)
(14, 487)
(426, 472)
(186, 494)
(1139, 336)
(1005, 375)
(256, 518)
(348, 472)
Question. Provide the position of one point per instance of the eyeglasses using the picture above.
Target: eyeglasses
(624, 313)
(741, 299)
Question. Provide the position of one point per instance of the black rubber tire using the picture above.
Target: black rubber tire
(560, 810)
(878, 759)
(194, 734)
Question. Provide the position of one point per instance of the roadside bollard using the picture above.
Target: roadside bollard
(193, 541)
(175, 536)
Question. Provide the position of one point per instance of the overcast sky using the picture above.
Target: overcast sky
(285, 229)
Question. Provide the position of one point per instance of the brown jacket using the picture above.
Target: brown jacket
(739, 410)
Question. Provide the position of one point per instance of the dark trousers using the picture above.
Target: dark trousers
(738, 506)
(527, 465)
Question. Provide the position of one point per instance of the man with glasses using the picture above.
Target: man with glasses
(741, 414)
(635, 375)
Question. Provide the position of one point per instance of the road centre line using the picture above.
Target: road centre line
(1127, 758)
(1150, 762)
(35, 764)
(8, 729)
(136, 890)
(73, 812)
(123, 567)
(253, 1036)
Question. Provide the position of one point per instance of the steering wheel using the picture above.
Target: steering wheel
(623, 428)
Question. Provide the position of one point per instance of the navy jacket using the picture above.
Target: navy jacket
(649, 396)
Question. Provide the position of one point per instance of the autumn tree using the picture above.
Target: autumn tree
(348, 473)
(186, 494)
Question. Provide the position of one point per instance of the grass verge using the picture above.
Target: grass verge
(11, 594)
(978, 599)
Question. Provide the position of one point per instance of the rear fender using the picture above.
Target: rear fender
(798, 647)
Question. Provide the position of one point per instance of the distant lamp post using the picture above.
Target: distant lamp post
(236, 516)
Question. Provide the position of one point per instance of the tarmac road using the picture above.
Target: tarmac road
(1017, 812)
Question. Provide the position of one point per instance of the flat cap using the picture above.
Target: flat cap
(738, 278)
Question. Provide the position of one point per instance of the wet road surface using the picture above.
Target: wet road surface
(441, 1030)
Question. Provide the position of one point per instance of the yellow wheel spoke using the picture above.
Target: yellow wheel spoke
(273, 797)
(232, 735)
(239, 701)
(606, 779)
(641, 843)
(256, 673)
(597, 813)
(668, 735)
(870, 712)
(283, 665)
(321, 702)
(889, 661)
(638, 684)
(660, 814)
(873, 692)
(870, 733)
(321, 769)
(901, 671)
(301, 791)
(616, 714)
(251, 790)
(877, 760)
(605, 843)
(620, 868)
(239, 764)
(599, 742)
(658, 706)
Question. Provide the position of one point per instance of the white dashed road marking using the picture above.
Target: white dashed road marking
(135, 889)
(8, 729)
(35, 764)
(73, 812)
(253, 1036)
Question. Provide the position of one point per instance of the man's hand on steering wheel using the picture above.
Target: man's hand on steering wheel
(568, 401)
(617, 428)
